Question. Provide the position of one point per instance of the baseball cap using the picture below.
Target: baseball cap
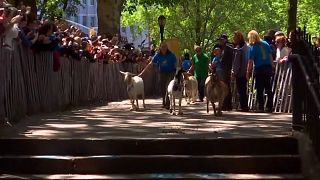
(222, 37)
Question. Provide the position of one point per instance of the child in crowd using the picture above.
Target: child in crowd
(186, 62)
(216, 66)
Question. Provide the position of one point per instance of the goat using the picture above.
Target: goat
(215, 90)
(190, 88)
(135, 88)
(175, 90)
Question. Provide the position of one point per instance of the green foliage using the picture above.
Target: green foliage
(201, 21)
(309, 16)
(57, 8)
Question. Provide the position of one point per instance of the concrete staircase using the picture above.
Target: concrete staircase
(256, 158)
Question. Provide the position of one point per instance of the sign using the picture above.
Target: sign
(174, 46)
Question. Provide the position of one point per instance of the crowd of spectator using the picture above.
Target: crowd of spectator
(18, 24)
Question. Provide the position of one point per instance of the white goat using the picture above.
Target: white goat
(135, 88)
(190, 88)
(175, 90)
(216, 90)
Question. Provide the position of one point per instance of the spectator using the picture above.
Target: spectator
(282, 50)
(186, 62)
(226, 62)
(216, 66)
(200, 62)
(261, 56)
(11, 26)
(239, 69)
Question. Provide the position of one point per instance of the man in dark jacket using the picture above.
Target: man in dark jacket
(226, 62)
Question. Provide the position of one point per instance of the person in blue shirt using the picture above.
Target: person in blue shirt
(165, 62)
(186, 62)
(260, 55)
(216, 66)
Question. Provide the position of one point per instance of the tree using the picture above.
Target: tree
(201, 21)
(109, 13)
(57, 8)
(292, 15)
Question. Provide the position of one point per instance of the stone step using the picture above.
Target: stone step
(139, 164)
(156, 176)
(84, 147)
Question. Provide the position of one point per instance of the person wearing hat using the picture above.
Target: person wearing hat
(226, 63)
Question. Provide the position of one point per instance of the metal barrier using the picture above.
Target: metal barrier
(29, 85)
(281, 88)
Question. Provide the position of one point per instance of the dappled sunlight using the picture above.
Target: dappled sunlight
(67, 126)
(42, 133)
(116, 121)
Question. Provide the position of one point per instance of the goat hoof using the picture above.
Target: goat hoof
(174, 113)
(131, 109)
(170, 110)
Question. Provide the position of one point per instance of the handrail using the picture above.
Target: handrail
(310, 83)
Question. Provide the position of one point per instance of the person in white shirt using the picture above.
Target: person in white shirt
(282, 50)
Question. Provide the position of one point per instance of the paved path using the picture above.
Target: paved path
(116, 121)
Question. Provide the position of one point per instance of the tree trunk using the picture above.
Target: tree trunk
(198, 22)
(109, 13)
(292, 15)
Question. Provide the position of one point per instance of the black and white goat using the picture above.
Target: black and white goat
(135, 88)
(175, 91)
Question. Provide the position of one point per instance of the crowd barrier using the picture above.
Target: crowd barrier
(29, 85)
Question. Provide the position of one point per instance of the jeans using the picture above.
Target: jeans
(242, 91)
(201, 82)
(165, 79)
(263, 83)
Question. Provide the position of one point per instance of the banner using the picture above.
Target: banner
(174, 46)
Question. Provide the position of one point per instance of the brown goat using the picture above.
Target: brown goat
(215, 90)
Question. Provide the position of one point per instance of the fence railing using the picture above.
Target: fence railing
(29, 85)
(306, 90)
(281, 88)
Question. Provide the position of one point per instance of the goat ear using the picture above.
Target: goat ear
(122, 72)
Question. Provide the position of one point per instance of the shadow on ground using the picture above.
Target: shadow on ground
(116, 121)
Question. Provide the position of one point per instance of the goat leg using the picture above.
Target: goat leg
(220, 108)
(180, 108)
(174, 105)
(207, 105)
(137, 103)
(132, 104)
(170, 100)
(214, 108)
(144, 105)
